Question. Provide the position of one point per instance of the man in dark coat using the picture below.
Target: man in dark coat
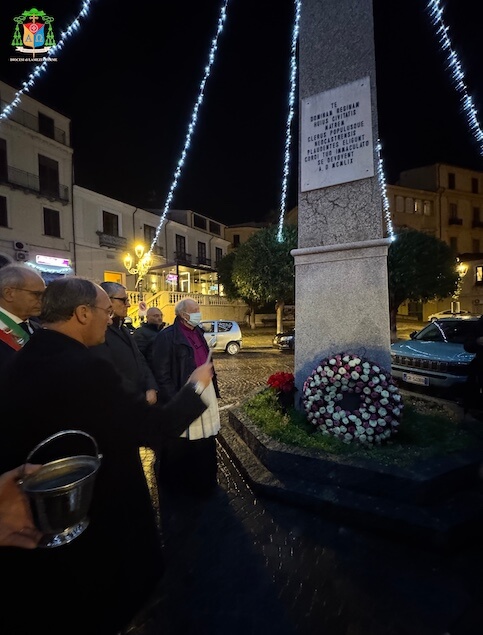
(99, 581)
(187, 464)
(21, 290)
(122, 350)
(146, 333)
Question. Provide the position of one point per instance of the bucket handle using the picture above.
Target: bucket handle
(52, 438)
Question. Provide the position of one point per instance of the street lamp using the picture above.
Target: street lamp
(139, 268)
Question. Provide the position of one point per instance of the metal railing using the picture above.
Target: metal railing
(108, 240)
(162, 299)
(181, 257)
(32, 182)
(32, 122)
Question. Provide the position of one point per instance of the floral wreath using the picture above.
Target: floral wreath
(352, 399)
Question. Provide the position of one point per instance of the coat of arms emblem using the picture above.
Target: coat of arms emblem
(33, 32)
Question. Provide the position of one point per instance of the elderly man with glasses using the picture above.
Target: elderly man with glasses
(21, 291)
(97, 583)
(121, 349)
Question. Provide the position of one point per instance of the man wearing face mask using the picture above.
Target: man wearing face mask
(188, 463)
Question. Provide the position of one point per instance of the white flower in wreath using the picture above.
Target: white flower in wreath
(345, 374)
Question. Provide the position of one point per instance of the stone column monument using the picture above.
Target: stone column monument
(341, 286)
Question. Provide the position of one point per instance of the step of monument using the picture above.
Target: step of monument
(441, 524)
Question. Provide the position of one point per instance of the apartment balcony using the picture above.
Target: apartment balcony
(114, 242)
(203, 262)
(477, 223)
(30, 121)
(455, 221)
(31, 182)
(182, 258)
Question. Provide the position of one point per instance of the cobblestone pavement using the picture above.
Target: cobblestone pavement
(237, 564)
(241, 374)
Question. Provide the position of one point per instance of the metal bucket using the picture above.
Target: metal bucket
(60, 493)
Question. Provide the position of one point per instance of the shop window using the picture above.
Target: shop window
(479, 274)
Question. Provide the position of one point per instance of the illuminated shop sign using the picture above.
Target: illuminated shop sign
(52, 262)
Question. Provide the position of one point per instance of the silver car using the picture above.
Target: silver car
(434, 357)
(223, 335)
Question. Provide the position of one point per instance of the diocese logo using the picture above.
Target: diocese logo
(33, 33)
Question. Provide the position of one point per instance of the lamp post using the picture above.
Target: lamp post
(462, 269)
(139, 268)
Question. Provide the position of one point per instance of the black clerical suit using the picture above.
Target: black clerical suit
(96, 583)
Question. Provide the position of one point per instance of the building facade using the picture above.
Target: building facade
(36, 212)
(445, 201)
(59, 228)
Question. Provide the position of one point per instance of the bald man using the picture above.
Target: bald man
(146, 333)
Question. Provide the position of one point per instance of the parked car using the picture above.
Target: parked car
(285, 341)
(435, 355)
(448, 313)
(223, 335)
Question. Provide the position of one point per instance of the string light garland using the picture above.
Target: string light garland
(383, 185)
(288, 133)
(192, 124)
(42, 68)
(436, 14)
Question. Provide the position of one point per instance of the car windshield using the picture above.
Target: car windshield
(453, 331)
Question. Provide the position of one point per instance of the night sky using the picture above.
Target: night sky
(129, 80)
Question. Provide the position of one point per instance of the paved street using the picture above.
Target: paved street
(238, 564)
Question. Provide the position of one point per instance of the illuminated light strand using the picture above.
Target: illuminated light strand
(436, 14)
(191, 126)
(288, 134)
(383, 185)
(30, 82)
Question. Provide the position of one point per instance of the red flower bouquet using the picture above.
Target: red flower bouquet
(281, 382)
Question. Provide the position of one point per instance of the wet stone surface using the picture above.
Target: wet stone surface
(238, 564)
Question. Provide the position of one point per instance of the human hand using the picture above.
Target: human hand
(151, 396)
(17, 527)
(202, 374)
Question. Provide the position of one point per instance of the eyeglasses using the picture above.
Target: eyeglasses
(37, 294)
(109, 312)
(125, 300)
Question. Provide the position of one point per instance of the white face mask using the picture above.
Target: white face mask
(195, 319)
